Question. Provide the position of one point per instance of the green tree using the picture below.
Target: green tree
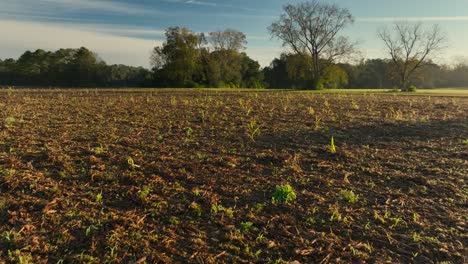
(127, 76)
(8, 74)
(177, 61)
(60, 67)
(374, 74)
(33, 67)
(291, 70)
(87, 68)
(276, 75)
(252, 76)
(335, 77)
(224, 64)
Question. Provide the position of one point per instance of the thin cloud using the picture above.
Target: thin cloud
(113, 48)
(192, 2)
(115, 29)
(195, 2)
(212, 4)
(412, 19)
(52, 6)
(110, 6)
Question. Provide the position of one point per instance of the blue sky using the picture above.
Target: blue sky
(124, 31)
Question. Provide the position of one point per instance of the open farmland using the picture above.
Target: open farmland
(177, 176)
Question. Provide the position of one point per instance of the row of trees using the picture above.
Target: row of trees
(284, 73)
(69, 67)
(83, 68)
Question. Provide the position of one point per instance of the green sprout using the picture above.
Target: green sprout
(332, 145)
(99, 197)
(253, 130)
(349, 196)
(132, 164)
(283, 194)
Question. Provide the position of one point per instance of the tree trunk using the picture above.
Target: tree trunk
(404, 83)
(315, 72)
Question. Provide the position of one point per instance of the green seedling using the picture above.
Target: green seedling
(311, 220)
(335, 215)
(173, 101)
(99, 150)
(196, 209)
(332, 145)
(99, 197)
(349, 196)
(112, 252)
(143, 193)
(174, 220)
(220, 209)
(246, 226)
(132, 164)
(398, 220)
(354, 105)
(203, 114)
(196, 192)
(10, 121)
(317, 123)
(188, 132)
(283, 194)
(253, 129)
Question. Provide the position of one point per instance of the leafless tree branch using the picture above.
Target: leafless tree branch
(411, 47)
(311, 29)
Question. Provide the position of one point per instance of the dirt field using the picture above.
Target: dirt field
(177, 176)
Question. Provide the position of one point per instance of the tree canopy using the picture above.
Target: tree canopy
(188, 59)
(70, 68)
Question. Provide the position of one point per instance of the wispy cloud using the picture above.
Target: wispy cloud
(115, 29)
(196, 2)
(193, 2)
(110, 6)
(112, 47)
(51, 6)
(412, 19)
(212, 4)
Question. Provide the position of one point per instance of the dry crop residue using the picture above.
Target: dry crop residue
(189, 176)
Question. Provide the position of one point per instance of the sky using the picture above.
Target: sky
(125, 31)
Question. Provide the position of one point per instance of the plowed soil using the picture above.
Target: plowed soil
(187, 176)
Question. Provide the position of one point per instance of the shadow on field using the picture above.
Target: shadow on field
(368, 134)
(405, 131)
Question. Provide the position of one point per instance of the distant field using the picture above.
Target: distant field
(444, 91)
(212, 176)
(448, 91)
(439, 91)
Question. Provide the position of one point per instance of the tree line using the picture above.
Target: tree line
(83, 68)
(283, 73)
(71, 68)
(314, 58)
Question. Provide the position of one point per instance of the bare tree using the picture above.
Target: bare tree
(228, 39)
(411, 47)
(311, 29)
